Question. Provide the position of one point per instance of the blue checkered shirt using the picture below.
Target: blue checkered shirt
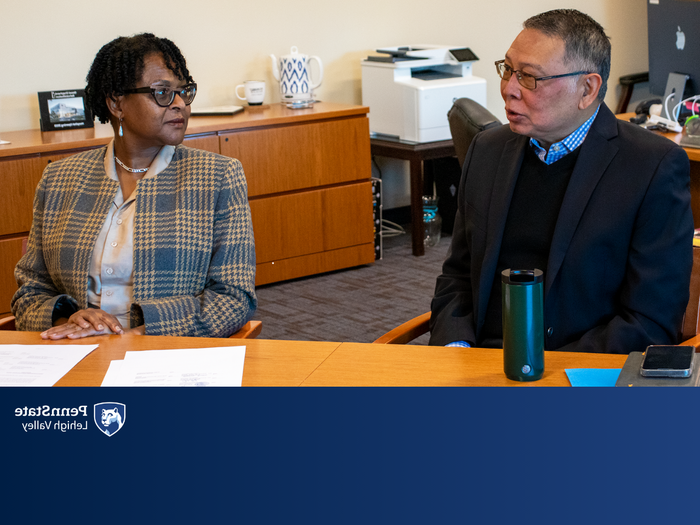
(560, 149)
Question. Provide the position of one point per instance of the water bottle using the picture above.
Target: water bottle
(523, 324)
(432, 222)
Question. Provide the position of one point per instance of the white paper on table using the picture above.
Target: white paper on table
(221, 366)
(4, 142)
(38, 365)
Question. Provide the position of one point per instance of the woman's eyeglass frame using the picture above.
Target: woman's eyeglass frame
(166, 93)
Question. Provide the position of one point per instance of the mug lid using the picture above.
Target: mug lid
(510, 276)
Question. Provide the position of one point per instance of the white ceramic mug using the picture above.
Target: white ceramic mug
(254, 91)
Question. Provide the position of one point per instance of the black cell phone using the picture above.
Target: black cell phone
(668, 361)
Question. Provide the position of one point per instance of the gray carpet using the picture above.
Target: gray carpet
(359, 304)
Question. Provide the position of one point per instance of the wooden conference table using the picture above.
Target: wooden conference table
(303, 363)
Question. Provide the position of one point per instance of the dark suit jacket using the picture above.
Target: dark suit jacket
(619, 265)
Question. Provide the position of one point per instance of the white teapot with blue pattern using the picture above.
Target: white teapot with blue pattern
(294, 75)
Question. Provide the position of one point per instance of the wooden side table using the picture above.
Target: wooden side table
(415, 153)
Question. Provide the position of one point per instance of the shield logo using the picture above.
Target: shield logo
(110, 417)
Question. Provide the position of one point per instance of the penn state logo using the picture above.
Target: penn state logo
(110, 417)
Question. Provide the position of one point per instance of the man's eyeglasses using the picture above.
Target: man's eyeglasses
(524, 79)
(164, 95)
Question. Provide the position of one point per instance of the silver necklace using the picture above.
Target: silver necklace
(127, 168)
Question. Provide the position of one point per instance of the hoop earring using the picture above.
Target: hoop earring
(121, 131)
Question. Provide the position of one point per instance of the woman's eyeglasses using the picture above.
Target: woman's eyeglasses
(164, 95)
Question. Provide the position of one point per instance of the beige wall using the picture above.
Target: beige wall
(51, 46)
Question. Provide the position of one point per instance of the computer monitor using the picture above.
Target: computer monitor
(674, 44)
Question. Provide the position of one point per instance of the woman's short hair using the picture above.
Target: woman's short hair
(119, 65)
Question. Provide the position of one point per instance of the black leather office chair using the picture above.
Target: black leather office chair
(627, 84)
(466, 119)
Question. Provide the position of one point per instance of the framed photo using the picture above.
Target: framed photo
(62, 110)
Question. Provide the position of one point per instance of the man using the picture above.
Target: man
(601, 206)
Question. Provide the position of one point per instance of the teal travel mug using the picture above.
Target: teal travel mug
(523, 324)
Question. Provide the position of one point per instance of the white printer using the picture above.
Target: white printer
(410, 89)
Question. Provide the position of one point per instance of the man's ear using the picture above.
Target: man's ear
(591, 86)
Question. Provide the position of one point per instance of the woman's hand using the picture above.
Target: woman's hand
(84, 323)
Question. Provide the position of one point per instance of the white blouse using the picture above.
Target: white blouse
(111, 275)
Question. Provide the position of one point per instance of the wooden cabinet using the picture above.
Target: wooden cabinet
(10, 252)
(308, 174)
(18, 181)
(305, 156)
(308, 199)
(314, 231)
(208, 142)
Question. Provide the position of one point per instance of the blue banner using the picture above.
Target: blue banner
(350, 455)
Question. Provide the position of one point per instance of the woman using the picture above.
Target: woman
(144, 235)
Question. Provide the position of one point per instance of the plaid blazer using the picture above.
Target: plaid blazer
(194, 254)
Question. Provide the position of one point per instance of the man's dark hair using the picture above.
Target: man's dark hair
(586, 44)
(119, 65)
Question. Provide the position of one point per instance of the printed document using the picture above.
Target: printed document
(221, 366)
(38, 365)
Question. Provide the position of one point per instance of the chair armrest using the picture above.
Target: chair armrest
(406, 332)
(8, 323)
(250, 330)
(694, 341)
(690, 319)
